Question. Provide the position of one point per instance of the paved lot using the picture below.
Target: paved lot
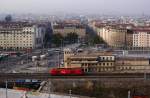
(20, 94)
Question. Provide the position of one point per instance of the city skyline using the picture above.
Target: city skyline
(115, 7)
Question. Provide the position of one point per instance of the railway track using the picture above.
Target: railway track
(43, 76)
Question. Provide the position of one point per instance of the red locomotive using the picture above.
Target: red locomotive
(66, 71)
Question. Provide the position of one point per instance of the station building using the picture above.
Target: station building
(89, 61)
(128, 63)
(105, 61)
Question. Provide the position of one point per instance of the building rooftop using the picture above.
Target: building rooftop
(141, 29)
(87, 54)
(62, 26)
(14, 24)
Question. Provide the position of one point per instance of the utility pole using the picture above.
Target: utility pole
(43, 47)
(62, 48)
(61, 44)
(27, 56)
(145, 77)
(129, 94)
(70, 93)
(49, 82)
(6, 89)
(58, 60)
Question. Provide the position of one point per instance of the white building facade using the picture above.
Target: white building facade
(21, 36)
(141, 38)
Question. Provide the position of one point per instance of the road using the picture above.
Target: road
(13, 64)
(18, 63)
(20, 94)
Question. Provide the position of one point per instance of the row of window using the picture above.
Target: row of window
(15, 32)
(98, 64)
(93, 59)
(108, 69)
(105, 58)
(67, 52)
(15, 41)
(27, 29)
(128, 68)
(15, 44)
(15, 36)
(17, 47)
(97, 69)
(136, 40)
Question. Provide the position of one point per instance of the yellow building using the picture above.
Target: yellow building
(100, 61)
(90, 61)
(115, 35)
(132, 63)
(64, 29)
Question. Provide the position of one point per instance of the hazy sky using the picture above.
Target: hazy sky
(77, 6)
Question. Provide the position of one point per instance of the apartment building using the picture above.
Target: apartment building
(65, 28)
(141, 38)
(123, 35)
(21, 35)
(115, 35)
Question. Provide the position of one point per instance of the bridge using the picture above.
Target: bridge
(45, 76)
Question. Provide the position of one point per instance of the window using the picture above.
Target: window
(103, 58)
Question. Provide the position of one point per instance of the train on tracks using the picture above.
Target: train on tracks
(80, 72)
(66, 71)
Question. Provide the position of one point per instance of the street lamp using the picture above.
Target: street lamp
(49, 89)
(6, 89)
(58, 60)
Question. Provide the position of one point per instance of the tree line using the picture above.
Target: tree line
(58, 39)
